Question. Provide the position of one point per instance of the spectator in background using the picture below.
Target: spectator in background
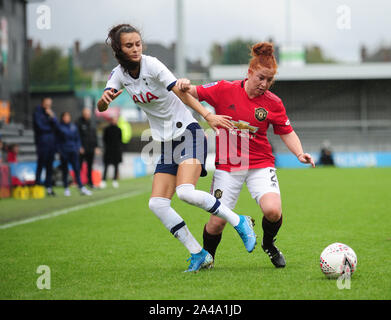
(326, 156)
(1, 150)
(12, 153)
(68, 143)
(112, 139)
(45, 141)
(89, 142)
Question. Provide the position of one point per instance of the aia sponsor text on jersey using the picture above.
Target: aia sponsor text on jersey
(140, 98)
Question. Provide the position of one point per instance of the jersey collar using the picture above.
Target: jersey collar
(242, 83)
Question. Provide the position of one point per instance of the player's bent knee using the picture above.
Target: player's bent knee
(187, 193)
(273, 214)
(184, 191)
(156, 204)
(270, 204)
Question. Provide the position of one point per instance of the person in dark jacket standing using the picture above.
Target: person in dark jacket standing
(89, 142)
(68, 143)
(45, 141)
(112, 139)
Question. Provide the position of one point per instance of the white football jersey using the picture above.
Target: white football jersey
(168, 116)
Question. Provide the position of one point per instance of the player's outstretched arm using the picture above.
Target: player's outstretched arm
(213, 120)
(293, 143)
(107, 97)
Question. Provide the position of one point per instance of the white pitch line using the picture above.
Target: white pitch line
(75, 208)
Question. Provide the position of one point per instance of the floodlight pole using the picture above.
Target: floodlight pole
(180, 59)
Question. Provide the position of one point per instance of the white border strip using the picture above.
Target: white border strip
(72, 209)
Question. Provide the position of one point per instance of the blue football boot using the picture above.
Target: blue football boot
(203, 259)
(245, 228)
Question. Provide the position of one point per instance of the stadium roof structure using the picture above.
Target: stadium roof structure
(372, 70)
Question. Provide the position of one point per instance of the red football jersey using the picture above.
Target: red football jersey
(246, 146)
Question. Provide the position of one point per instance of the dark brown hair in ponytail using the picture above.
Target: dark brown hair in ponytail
(114, 40)
(263, 56)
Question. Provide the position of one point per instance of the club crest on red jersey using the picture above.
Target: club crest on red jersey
(260, 114)
(218, 193)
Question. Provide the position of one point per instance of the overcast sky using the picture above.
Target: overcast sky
(324, 23)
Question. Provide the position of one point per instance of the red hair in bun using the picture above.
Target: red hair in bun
(262, 56)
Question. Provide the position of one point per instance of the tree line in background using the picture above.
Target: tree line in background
(51, 67)
(237, 51)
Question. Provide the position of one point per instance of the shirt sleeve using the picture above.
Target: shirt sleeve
(280, 121)
(209, 93)
(60, 131)
(163, 75)
(114, 81)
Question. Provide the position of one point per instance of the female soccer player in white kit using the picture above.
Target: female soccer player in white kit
(252, 108)
(152, 87)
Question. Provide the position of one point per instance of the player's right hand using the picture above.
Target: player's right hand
(107, 97)
(306, 158)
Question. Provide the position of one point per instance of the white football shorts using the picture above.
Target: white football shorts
(226, 186)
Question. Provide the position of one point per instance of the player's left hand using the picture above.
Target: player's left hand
(306, 158)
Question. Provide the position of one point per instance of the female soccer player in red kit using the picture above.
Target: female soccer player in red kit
(244, 154)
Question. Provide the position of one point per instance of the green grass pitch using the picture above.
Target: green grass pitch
(120, 250)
